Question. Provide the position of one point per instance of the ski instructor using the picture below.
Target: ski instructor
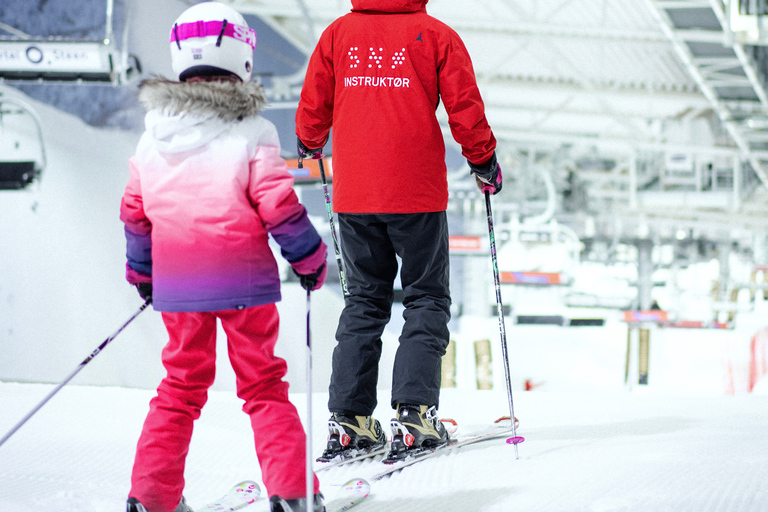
(377, 76)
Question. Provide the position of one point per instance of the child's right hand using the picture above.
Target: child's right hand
(145, 290)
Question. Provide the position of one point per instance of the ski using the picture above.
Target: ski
(239, 496)
(491, 433)
(350, 495)
(360, 455)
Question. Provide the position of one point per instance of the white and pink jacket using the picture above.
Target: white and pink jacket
(207, 187)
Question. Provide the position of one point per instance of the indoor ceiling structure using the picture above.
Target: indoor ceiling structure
(635, 117)
(621, 119)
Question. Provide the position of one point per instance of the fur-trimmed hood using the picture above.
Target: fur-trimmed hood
(184, 116)
(229, 101)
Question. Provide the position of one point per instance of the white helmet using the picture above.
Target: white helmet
(209, 38)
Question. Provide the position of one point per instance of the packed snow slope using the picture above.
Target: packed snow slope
(622, 452)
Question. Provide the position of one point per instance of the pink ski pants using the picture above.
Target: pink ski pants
(189, 357)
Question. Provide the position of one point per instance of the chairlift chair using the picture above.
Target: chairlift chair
(18, 171)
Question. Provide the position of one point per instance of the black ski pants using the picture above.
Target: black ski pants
(369, 243)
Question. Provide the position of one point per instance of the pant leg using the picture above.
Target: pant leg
(279, 437)
(371, 267)
(189, 358)
(421, 241)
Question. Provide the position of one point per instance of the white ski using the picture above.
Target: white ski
(494, 432)
(240, 496)
(351, 494)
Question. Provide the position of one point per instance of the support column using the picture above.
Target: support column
(736, 201)
(483, 364)
(644, 296)
(760, 246)
(644, 273)
(633, 182)
(644, 349)
(724, 259)
(448, 367)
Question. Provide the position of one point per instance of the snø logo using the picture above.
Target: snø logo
(376, 61)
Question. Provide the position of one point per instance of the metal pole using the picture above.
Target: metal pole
(515, 440)
(72, 375)
(310, 480)
(329, 209)
(109, 32)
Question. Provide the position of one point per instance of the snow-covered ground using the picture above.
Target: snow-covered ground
(593, 443)
(630, 451)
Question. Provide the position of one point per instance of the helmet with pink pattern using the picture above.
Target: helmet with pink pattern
(211, 38)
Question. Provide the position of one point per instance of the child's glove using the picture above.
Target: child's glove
(145, 290)
(142, 281)
(488, 175)
(308, 154)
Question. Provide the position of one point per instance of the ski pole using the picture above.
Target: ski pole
(72, 375)
(515, 440)
(329, 209)
(310, 474)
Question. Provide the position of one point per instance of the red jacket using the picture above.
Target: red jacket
(377, 75)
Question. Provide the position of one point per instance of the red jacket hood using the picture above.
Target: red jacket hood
(389, 5)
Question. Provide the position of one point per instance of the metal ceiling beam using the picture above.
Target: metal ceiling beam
(499, 85)
(707, 87)
(563, 108)
(613, 143)
(501, 25)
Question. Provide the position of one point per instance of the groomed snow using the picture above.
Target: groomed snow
(624, 452)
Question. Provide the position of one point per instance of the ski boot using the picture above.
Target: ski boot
(416, 428)
(134, 505)
(277, 504)
(349, 435)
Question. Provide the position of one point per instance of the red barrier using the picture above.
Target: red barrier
(758, 358)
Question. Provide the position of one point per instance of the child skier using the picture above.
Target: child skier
(207, 186)
(377, 75)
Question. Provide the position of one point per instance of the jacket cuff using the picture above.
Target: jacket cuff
(312, 262)
(136, 277)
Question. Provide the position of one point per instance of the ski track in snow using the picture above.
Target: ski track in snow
(593, 453)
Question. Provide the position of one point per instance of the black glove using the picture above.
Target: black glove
(310, 281)
(145, 290)
(488, 175)
(308, 154)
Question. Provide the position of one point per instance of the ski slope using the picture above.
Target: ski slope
(625, 452)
